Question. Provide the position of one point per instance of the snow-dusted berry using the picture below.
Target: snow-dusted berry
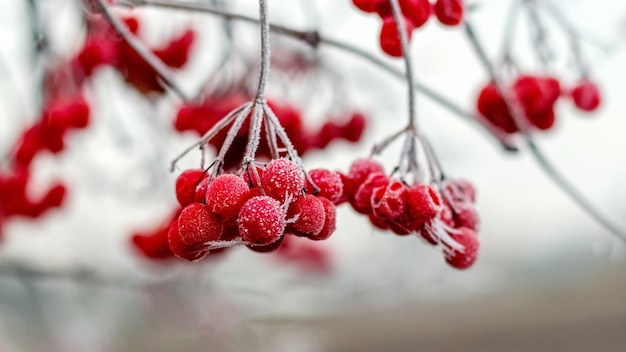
(363, 196)
(330, 221)
(309, 213)
(463, 259)
(328, 182)
(180, 248)
(186, 185)
(423, 201)
(282, 178)
(197, 225)
(261, 221)
(226, 194)
(392, 204)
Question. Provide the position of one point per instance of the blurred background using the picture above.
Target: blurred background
(548, 277)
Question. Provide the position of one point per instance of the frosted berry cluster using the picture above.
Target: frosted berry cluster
(537, 95)
(415, 12)
(200, 117)
(443, 215)
(257, 212)
(103, 47)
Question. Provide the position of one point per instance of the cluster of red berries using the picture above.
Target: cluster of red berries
(59, 116)
(416, 13)
(307, 255)
(200, 117)
(537, 95)
(15, 201)
(103, 47)
(243, 209)
(444, 216)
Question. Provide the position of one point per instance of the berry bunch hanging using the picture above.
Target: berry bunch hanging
(537, 95)
(415, 12)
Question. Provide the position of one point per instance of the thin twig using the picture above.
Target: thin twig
(518, 115)
(151, 59)
(314, 39)
(406, 54)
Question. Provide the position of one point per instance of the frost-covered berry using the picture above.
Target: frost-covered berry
(309, 213)
(392, 204)
(226, 194)
(282, 178)
(197, 225)
(186, 184)
(465, 215)
(328, 182)
(330, 221)
(363, 197)
(261, 221)
(463, 259)
(180, 248)
(359, 170)
(423, 201)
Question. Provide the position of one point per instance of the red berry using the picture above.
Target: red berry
(393, 203)
(359, 171)
(449, 12)
(54, 197)
(197, 225)
(367, 5)
(186, 185)
(363, 196)
(226, 195)
(261, 221)
(423, 201)
(310, 214)
(463, 259)
(390, 38)
(176, 53)
(330, 221)
(586, 95)
(417, 11)
(466, 216)
(282, 178)
(328, 182)
(353, 130)
(181, 249)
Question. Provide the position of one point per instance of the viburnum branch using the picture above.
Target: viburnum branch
(151, 59)
(230, 138)
(265, 51)
(379, 147)
(314, 39)
(518, 115)
(406, 54)
(210, 134)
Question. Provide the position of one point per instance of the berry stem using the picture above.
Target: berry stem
(265, 51)
(232, 116)
(406, 54)
(284, 138)
(151, 59)
(518, 115)
(538, 32)
(314, 39)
